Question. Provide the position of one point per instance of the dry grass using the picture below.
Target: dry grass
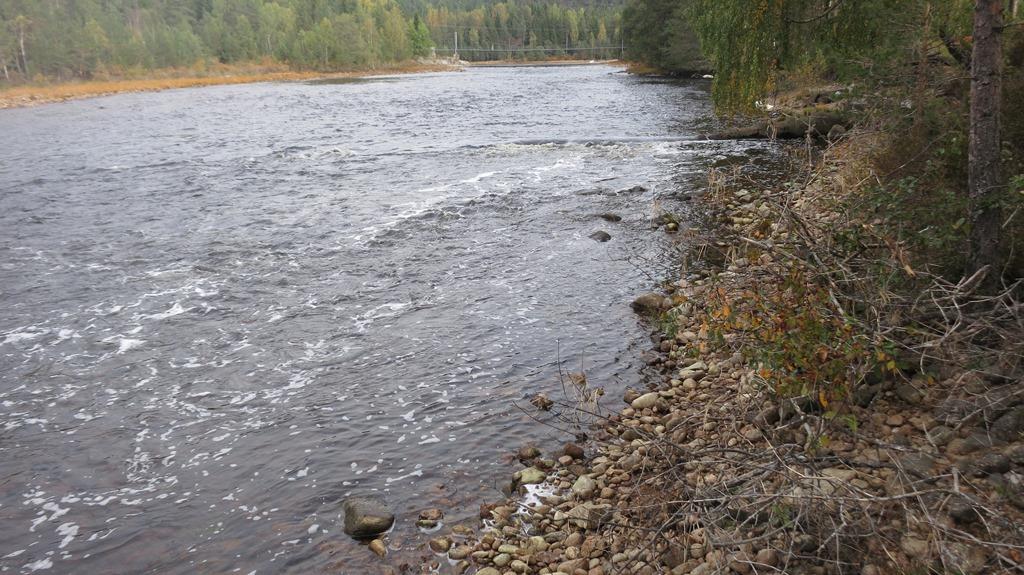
(169, 79)
(641, 69)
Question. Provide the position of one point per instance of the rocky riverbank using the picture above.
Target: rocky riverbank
(777, 439)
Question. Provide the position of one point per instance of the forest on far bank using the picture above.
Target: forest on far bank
(90, 39)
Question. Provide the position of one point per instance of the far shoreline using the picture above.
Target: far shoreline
(37, 95)
(32, 95)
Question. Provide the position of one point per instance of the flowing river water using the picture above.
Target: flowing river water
(226, 309)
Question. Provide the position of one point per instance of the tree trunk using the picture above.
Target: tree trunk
(921, 90)
(24, 58)
(985, 176)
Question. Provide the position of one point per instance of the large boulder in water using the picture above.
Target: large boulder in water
(366, 518)
(600, 236)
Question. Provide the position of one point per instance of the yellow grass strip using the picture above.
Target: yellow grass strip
(31, 95)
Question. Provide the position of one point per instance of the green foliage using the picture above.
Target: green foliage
(781, 515)
(1017, 184)
(668, 324)
(419, 38)
(659, 34)
(802, 344)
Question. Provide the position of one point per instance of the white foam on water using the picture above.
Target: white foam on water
(479, 177)
(17, 336)
(386, 310)
(69, 531)
(126, 344)
(158, 273)
(417, 473)
(40, 565)
(175, 309)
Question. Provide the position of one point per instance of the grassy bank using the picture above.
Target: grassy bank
(47, 93)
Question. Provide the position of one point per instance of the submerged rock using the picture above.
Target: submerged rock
(528, 452)
(433, 514)
(542, 402)
(440, 544)
(600, 236)
(366, 518)
(610, 217)
(378, 547)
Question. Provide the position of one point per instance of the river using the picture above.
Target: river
(225, 309)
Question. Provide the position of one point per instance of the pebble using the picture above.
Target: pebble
(584, 487)
(769, 557)
(574, 451)
(752, 434)
(914, 547)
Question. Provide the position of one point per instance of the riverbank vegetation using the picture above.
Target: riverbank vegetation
(43, 42)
